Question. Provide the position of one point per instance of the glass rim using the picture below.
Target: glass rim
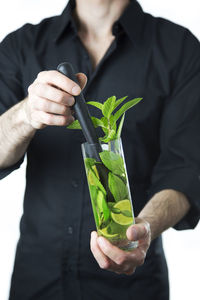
(101, 142)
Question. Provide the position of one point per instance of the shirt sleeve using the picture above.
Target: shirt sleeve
(10, 81)
(178, 166)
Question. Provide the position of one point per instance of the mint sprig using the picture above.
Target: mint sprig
(108, 122)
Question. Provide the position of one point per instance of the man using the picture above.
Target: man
(118, 50)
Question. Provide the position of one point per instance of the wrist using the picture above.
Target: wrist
(28, 129)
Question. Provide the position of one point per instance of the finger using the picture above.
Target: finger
(51, 93)
(138, 231)
(123, 262)
(59, 80)
(50, 119)
(104, 261)
(100, 257)
(50, 106)
(82, 79)
(114, 253)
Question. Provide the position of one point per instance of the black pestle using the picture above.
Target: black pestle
(82, 112)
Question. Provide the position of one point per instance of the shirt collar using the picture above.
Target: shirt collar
(131, 21)
(64, 20)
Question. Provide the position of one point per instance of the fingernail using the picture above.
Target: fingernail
(71, 101)
(71, 119)
(76, 90)
(135, 234)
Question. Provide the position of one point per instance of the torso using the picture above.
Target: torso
(96, 49)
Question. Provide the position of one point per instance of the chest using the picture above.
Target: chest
(96, 48)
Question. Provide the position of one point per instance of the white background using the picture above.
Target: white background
(182, 248)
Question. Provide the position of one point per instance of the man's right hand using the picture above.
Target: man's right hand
(50, 98)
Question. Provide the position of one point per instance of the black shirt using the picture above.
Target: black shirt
(150, 58)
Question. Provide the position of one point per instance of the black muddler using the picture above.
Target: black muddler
(82, 112)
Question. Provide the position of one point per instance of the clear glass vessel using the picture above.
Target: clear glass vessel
(109, 191)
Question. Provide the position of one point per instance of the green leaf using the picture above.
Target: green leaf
(96, 104)
(110, 204)
(119, 130)
(126, 213)
(97, 122)
(125, 107)
(74, 125)
(112, 122)
(108, 137)
(108, 106)
(93, 180)
(105, 127)
(116, 210)
(117, 187)
(102, 206)
(93, 195)
(89, 162)
(119, 101)
(113, 162)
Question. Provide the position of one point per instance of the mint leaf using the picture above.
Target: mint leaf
(113, 162)
(89, 162)
(127, 213)
(119, 101)
(117, 187)
(109, 137)
(105, 125)
(74, 125)
(96, 104)
(119, 130)
(93, 195)
(125, 107)
(102, 206)
(110, 204)
(97, 122)
(112, 122)
(108, 106)
(115, 210)
(93, 180)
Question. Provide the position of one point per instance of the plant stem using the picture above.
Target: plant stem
(109, 146)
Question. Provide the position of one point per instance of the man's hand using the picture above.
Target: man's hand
(112, 258)
(50, 98)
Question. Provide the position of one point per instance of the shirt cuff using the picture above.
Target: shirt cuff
(186, 181)
(6, 171)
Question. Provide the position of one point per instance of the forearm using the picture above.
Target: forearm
(164, 210)
(15, 135)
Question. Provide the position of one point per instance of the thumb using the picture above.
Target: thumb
(138, 231)
(82, 79)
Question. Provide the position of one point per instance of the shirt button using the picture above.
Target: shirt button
(74, 184)
(70, 230)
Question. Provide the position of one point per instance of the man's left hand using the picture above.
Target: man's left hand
(111, 258)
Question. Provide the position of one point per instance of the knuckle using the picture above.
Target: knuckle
(30, 88)
(140, 260)
(41, 74)
(120, 260)
(49, 119)
(60, 97)
(53, 72)
(64, 110)
(43, 105)
(63, 120)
